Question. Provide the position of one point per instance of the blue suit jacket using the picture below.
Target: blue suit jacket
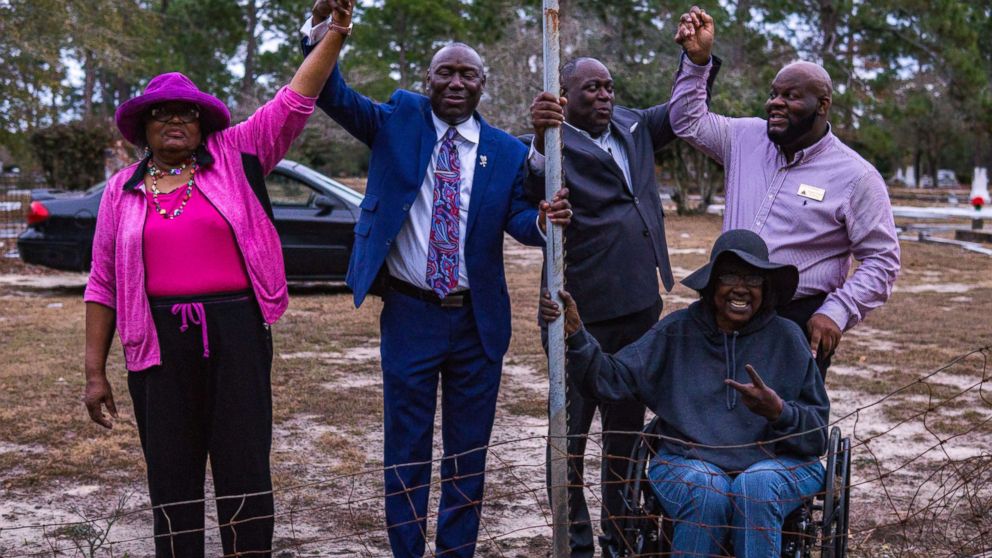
(402, 136)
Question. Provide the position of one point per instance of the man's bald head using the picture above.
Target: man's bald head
(812, 74)
(467, 52)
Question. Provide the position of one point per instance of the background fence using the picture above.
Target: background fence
(15, 197)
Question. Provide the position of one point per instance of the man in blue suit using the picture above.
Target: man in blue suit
(443, 187)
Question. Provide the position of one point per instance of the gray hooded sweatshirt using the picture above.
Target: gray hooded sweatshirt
(677, 369)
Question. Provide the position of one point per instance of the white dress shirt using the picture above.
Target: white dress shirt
(606, 141)
(407, 260)
(315, 32)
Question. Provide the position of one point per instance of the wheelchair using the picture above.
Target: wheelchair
(819, 523)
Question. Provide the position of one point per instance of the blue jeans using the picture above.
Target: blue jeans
(705, 503)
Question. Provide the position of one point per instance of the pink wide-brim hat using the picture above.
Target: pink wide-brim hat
(164, 88)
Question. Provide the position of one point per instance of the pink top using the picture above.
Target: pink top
(193, 254)
(117, 278)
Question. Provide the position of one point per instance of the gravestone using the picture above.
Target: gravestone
(980, 185)
(910, 176)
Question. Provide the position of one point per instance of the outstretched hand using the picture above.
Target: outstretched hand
(559, 210)
(550, 311)
(758, 397)
(695, 35)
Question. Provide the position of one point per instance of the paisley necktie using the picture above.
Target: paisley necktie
(442, 249)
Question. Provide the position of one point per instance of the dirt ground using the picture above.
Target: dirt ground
(906, 385)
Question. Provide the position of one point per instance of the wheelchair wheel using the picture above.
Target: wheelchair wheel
(843, 506)
(836, 496)
(639, 529)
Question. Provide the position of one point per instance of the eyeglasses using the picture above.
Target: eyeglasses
(735, 280)
(184, 114)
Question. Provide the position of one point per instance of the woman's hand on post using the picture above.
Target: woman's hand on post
(550, 312)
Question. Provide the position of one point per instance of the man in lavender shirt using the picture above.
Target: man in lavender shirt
(814, 201)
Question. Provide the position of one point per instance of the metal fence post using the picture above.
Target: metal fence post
(554, 262)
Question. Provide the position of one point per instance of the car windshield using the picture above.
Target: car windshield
(95, 188)
(338, 188)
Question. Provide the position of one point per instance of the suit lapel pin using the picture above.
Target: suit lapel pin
(483, 160)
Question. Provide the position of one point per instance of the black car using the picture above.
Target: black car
(314, 215)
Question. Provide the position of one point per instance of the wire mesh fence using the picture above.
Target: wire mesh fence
(920, 485)
(15, 197)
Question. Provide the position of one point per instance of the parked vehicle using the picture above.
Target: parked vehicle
(314, 215)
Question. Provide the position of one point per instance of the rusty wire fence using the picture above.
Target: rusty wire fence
(929, 493)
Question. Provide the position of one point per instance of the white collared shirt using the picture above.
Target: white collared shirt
(407, 260)
(606, 141)
(315, 32)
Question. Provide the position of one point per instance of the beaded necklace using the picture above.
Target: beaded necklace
(156, 172)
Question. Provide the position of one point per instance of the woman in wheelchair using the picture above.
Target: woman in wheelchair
(737, 451)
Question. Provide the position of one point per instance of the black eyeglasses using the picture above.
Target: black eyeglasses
(184, 114)
(735, 280)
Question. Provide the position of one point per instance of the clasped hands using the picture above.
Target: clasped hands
(756, 396)
(338, 10)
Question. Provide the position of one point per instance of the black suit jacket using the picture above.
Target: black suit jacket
(615, 246)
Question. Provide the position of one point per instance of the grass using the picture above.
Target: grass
(328, 403)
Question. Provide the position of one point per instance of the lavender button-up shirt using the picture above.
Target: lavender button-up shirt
(815, 212)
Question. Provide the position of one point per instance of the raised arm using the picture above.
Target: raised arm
(658, 118)
(688, 108)
(316, 68)
(270, 131)
(359, 115)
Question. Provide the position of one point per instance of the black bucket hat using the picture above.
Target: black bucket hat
(752, 250)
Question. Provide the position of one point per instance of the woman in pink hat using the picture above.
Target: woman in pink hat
(188, 266)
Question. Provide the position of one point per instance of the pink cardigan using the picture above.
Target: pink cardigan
(117, 278)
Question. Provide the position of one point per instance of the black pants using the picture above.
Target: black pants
(193, 406)
(800, 311)
(613, 335)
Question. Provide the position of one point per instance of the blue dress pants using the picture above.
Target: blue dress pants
(424, 345)
(706, 504)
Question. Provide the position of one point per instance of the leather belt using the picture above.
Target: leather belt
(456, 299)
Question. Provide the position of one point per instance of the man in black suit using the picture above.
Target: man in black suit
(614, 251)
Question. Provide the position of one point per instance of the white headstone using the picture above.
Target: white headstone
(980, 185)
(899, 178)
(910, 176)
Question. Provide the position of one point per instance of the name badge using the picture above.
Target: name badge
(811, 192)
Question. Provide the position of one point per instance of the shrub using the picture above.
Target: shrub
(72, 155)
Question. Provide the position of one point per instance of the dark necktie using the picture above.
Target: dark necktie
(442, 250)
